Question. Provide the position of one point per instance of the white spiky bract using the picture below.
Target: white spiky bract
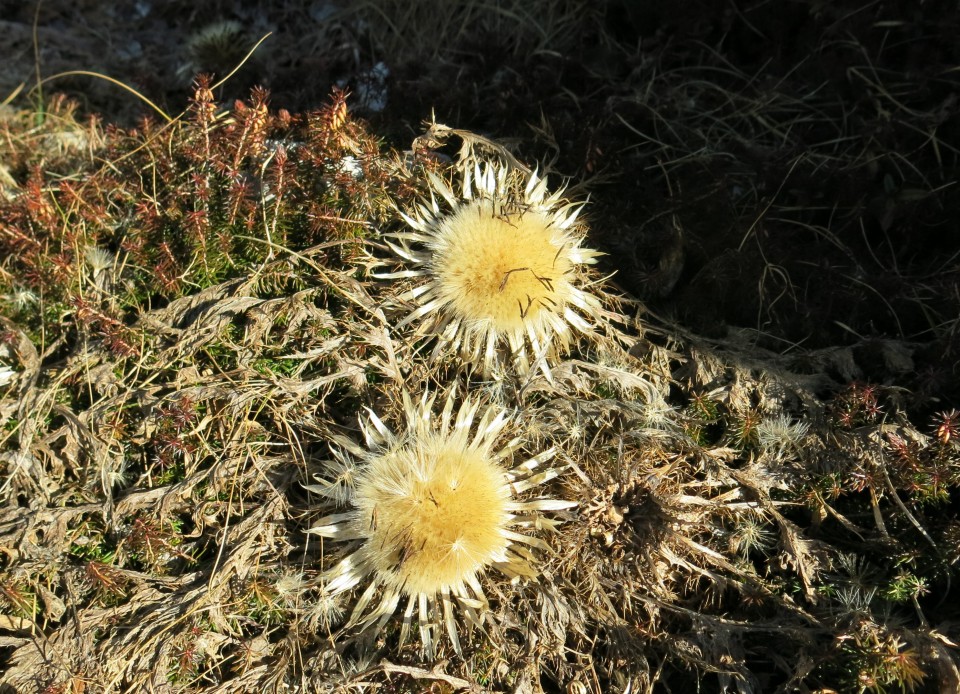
(501, 270)
(779, 434)
(99, 259)
(429, 512)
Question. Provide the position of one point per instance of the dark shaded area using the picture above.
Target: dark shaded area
(784, 168)
(783, 171)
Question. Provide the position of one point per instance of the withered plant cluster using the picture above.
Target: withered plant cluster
(189, 332)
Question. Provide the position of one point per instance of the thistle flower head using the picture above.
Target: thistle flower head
(215, 46)
(779, 434)
(99, 259)
(429, 512)
(501, 272)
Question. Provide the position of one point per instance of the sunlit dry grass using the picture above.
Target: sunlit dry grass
(198, 367)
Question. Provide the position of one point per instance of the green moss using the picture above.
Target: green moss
(277, 367)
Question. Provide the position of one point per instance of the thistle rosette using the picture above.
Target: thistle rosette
(500, 269)
(429, 512)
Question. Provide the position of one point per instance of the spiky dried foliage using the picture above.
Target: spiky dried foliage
(698, 531)
(745, 519)
(153, 419)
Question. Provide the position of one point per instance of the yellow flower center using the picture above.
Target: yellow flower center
(435, 512)
(502, 268)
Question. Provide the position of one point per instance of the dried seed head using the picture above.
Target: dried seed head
(778, 434)
(436, 512)
(502, 272)
(99, 259)
(432, 509)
